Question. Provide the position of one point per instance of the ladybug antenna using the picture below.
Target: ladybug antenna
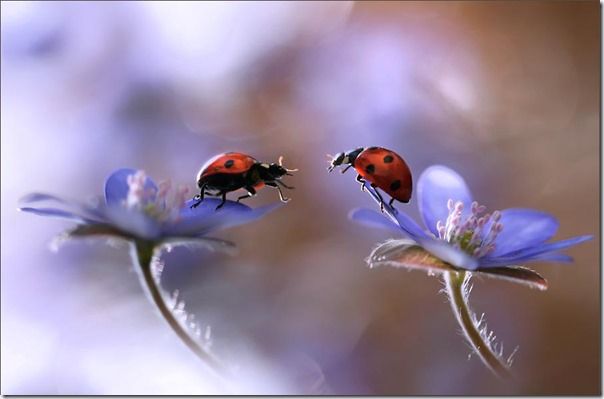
(288, 170)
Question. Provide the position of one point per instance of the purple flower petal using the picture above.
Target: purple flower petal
(547, 257)
(205, 218)
(374, 194)
(410, 227)
(39, 197)
(435, 187)
(407, 224)
(116, 186)
(523, 228)
(538, 252)
(372, 218)
(449, 254)
(133, 221)
(85, 213)
(554, 257)
(53, 212)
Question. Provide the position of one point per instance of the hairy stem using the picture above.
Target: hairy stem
(454, 282)
(143, 256)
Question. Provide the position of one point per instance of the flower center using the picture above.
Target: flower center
(476, 234)
(162, 204)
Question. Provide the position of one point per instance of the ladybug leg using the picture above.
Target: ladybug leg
(279, 182)
(361, 181)
(199, 197)
(380, 197)
(346, 168)
(251, 191)
(223, 201)
(281, 196)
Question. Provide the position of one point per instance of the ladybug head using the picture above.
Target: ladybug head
(277, 170)
(344, 158)
(337, 160)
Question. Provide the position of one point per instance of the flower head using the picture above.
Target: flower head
(462, 238)
(136, 208)
(461, 234)
(151, 217)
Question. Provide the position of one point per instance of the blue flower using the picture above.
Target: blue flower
(460, 233)
(460, 238)
(137, 209)
(152, 217)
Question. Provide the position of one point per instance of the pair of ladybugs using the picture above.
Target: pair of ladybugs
(227, 172)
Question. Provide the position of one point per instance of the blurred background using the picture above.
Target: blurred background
(506, 93)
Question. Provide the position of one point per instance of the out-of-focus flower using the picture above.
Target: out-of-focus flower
(461, 239)
(460, 235)
(152, 217)
(135, 208)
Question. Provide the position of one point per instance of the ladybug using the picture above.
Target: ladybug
(380, 167)
(231, 171)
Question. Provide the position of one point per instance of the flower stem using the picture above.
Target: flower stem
(456, 289)
(143, 256)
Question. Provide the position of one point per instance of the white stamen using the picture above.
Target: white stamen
(440, 228)
(470, 233)
(162, 204)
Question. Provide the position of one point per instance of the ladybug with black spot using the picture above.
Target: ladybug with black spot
(231, 171)
(380, 167)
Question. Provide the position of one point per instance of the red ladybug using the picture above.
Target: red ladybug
(233, 170)
(382, 168)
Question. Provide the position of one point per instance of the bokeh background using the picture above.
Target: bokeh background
(507, 93)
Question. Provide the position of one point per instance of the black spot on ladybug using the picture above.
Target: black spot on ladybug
(370, 168)
(372, 148)
(229, 163)
(388, 158)
(395, 185)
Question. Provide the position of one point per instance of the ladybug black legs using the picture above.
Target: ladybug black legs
(251, 191)
(361, 181)
(281, 196)
(346, 168)
(198, 200)
(199, 197)
(380, 197)
(279, 182)
(391, 204)
(223, 201)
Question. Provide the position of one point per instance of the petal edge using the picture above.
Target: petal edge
(116, 186)
(436, 185)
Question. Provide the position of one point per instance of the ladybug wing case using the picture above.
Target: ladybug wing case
(387, 171)
(230, 162)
